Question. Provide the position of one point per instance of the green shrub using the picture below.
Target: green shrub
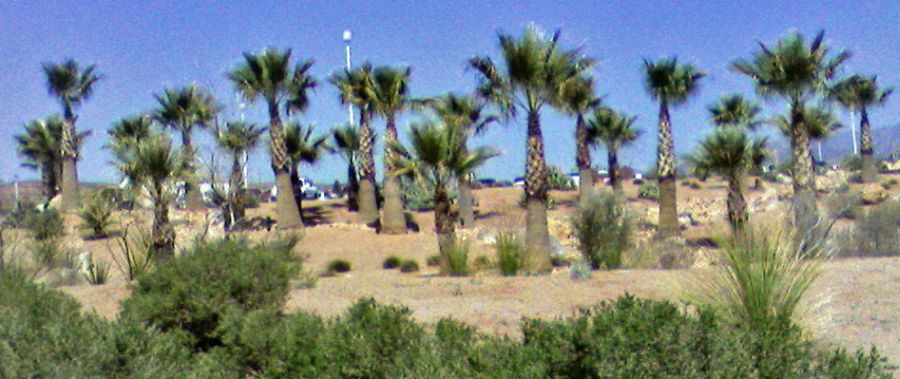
(558, 180)
(649, 190)
(392, 262)
(433, 261)
(194, 292)
(603, 228)
(51, 254)
(409, 265)
(455, 259)
(842, 204)
(337, 266)
(45, 225)
(876, 232)
(890, 183)
(96, 214)
(510, 251)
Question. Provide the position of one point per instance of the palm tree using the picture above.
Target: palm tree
(438, 157)
(302, 147)
(859, 93)
(466, 113)
(40, 146)
(346, 144)
(391, 88)
(671, 83)
(124, 135)
(578, 99)
(818, 121)
(535, 70)
(356, 87)
(238, 138)
(796, 72)
(615, 131)
(268, 75)
(734, 110)
(158, 167)
(71, 85)
(729, 152)
(182, 110)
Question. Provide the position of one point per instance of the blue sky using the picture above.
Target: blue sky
(143, 47)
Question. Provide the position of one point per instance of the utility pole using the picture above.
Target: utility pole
(347, 36)
(853, 131)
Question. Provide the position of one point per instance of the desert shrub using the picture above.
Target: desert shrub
(876, 232)
(409, 265)
(51, 254)
(842, 204)
(558, 180)
(433, 261)
(392, 262)
(510, 250)
(136, 254)
(649, 190)
(455, 259)
(419, 199)
(603, 228)
(97, 273)
(580, 270)
(45, 225)
(96, 213)
(194, 292)
(665, 255)
(337, 266)
(852, 163)
(890, 183)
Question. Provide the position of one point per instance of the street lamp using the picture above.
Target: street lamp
(347, 36)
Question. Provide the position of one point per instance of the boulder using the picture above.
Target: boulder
(831, 181)
(872, 193)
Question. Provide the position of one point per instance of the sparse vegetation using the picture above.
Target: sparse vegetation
(603, 228)
(455, 259)
(392, 262)
(337, 266)
(409, 265)
(136, 254)
(97, 273)
(96, 214)
(510, 252)
(433, 261)
(649, 190)
(46, 225)
(876, 232)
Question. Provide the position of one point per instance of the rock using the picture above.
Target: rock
(831, 181)
(84, 262)
(61, 277)
(871, 194)
(685, 220)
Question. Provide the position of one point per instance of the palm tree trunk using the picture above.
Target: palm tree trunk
(368, 206)
(296, 187)
(665, 158)
(193, 197)
(352, 187)
(393, 220)
(163, 234)
(288, 209)
(70, 197)
(443, 222)
(612, 161)
(237, 190)
(583, 161)
(737, 204)
(466, 203)
(537, 234)
(869, 171)
(48, 176)
(805, 209)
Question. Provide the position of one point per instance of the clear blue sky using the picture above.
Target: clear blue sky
(143, 47)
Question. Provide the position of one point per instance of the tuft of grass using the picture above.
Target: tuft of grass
(392, 262)
(603, 228)
(337, 266)
(510, 249)
(409, 265)
(455, 260)
(433, 261)
(97, 273)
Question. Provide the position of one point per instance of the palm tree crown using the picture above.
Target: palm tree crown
(69, 83)
(819, 121)
(268, 75)
(736, 111)
(239, 137)
(462, 111)
(612, 128)
(671, 82)
(185, 108)
(728, 152)
(302, 145)
(858, 92)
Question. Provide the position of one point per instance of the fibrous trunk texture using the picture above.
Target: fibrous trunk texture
(537, 234)
(665, 159)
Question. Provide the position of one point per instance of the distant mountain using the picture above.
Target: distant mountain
(886, 139)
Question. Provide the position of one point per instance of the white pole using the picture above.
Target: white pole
(853, 131)
(17, 191)
(347, 36)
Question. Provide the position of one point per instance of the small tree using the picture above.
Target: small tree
(615, 131)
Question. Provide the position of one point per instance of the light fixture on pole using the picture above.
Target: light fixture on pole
(347, 37)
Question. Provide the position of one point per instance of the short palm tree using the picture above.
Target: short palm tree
(346, 144)
(268, 75)
(437, 158)
(467, 113)
(391, 88)
(671, 83)
(303, 148)
(182, 110)
(729, 152)
(158, 167)
(615, 131)
(859, 93)
(356, 87)
(797, 72)
(535, 70)
(39, 145)
(238, 138)
(71, 85)
(124, 135)
(578, 99)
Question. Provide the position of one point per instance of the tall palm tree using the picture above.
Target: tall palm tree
(796, 72)
(533, 76)
(438, 157)
(391, 88)
(671, 83)
(346, 144)
(158, 167)
(124, 135)
(578, 99)
(356, 87)
(729, 152)
(615, 131)
(466, 113)
(268, 75)
(182, 110)
(238, 138)
(859, 93)
(302, 147)
(71, 86)
(39, 145)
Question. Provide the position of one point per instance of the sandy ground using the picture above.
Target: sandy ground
(856, 301)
